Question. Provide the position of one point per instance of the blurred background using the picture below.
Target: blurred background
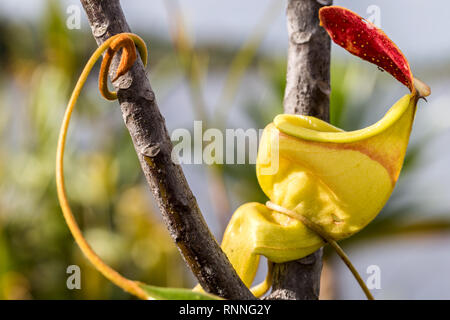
(223, 63)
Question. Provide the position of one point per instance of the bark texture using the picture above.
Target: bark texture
(308, 71)
(153, 146)
(308, 93)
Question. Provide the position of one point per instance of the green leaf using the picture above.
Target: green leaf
(160, 293)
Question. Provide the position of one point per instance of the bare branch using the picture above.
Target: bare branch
(308, 72)
(166, 180)
(307, 92)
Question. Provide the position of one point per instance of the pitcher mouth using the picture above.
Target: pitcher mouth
(300, 126)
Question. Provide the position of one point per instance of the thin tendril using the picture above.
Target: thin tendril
(117, 42)
(124, 42)
(319, 231)
(260, 289)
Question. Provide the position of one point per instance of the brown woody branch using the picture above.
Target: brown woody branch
(308, 93)
(153, 146)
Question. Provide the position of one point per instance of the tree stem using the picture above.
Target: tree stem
(153, 146)
(308, 93)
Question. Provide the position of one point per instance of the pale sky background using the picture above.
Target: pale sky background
(419, 27)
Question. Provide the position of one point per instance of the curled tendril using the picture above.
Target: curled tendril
(127, 42)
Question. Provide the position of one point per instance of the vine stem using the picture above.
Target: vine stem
(115, 277)
(319, 231)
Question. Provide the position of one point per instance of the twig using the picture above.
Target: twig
(308, 71)
(148, 131)
(307, 92)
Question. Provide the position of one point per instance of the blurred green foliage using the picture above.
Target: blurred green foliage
(112, 202)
